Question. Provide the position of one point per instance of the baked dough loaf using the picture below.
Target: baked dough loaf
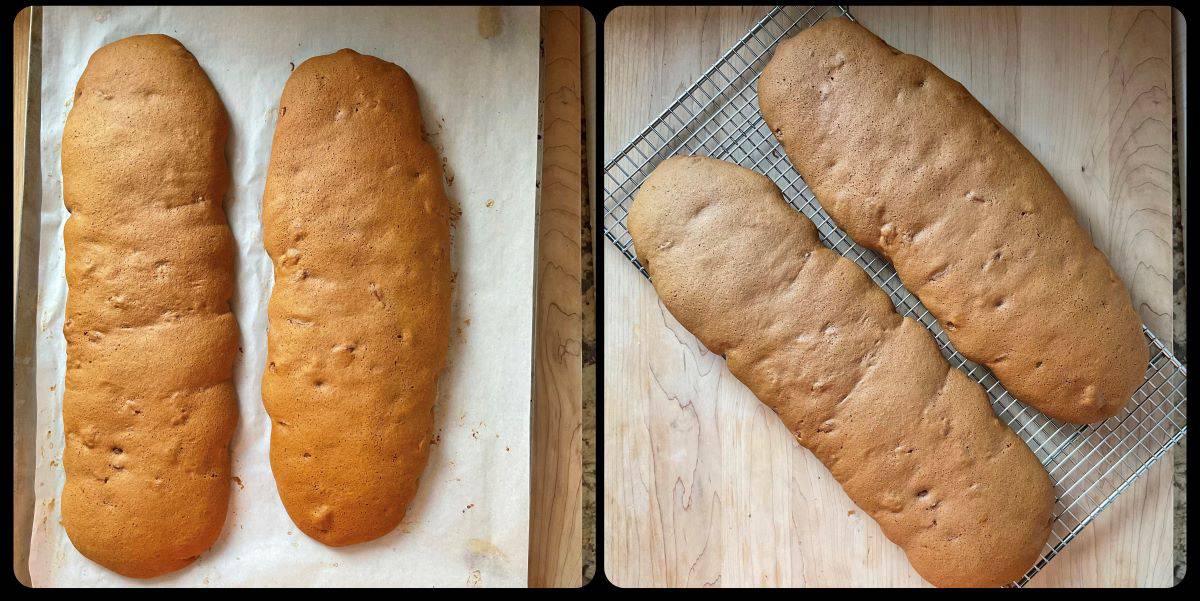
(910, 165)
(913, 442)
(149, 406)
(357, 224)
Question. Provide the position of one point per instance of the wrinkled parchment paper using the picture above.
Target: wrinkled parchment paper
(470, 521)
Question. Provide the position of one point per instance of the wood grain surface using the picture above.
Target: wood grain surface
(555, 525)
(26, 193)
(21, 31)
(703, 484)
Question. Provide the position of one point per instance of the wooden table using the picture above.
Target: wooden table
(556, 448)
(703, 485)
(26, 204)
(556, 479)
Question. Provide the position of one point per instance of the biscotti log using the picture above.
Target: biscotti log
(357, 224)
(910, 165)
(149, 406)
(913, 442)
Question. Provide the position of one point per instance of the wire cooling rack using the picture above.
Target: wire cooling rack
(718, 117)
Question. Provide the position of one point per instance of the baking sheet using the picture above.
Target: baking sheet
(469, 523)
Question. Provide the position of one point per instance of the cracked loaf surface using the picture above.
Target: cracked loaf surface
(912, 441)
(357, 225)
(149, 406)
(910, 165)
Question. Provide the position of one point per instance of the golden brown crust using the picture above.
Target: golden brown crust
(909, 164)
(149, 407)
(913, 442)
(357, 224)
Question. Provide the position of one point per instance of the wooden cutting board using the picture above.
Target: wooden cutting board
(703, 485)
(556, 477)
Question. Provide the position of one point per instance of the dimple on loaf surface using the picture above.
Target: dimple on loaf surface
(149, 406)
(909, 164)
(912, 441)
(357, 224)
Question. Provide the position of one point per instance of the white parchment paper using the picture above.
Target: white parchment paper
(470, 521)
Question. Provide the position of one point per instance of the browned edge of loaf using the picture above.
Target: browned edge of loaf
(912, 166)
(912, 441)
(149, 406)
(357, 225)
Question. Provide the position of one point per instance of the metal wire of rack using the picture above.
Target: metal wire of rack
(718, 116)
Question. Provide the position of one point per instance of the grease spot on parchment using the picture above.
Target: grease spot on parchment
(491, 23)
(485, 548)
